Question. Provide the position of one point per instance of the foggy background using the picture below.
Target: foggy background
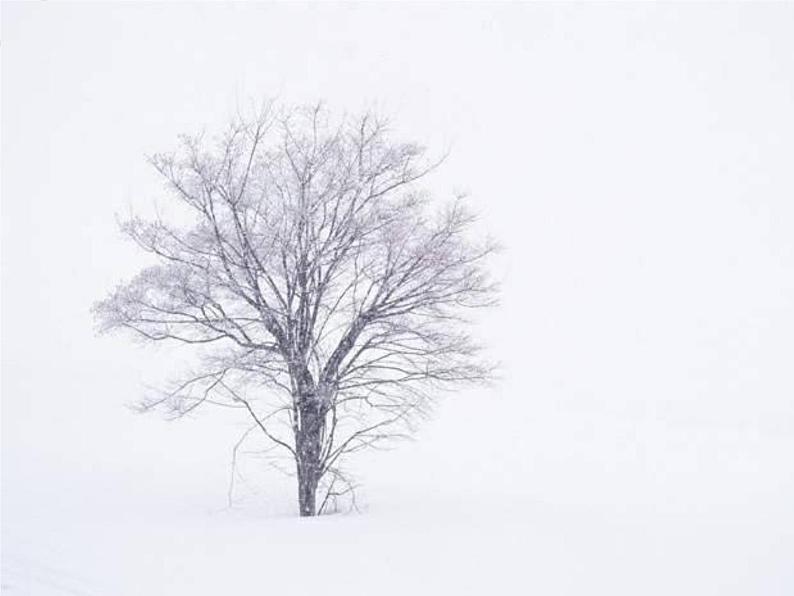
(634, 160)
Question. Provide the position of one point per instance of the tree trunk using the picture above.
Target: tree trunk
(307, 497)
(309, 443)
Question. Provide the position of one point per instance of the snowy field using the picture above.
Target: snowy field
(606, 508)
(635, 162)
(498, 548)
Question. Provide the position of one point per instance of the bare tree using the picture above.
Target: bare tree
(330, 294)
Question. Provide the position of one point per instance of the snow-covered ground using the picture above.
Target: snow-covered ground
(610, 507)
(497, 547)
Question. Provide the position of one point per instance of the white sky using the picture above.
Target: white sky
(635, 161)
